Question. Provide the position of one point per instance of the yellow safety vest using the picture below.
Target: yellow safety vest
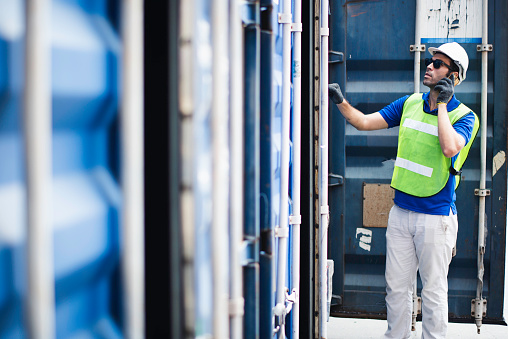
(421, 169)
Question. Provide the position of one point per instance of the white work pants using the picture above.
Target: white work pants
(425, 242)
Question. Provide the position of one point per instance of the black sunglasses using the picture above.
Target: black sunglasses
(437, 63)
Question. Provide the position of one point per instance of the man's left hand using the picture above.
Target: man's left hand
(445, 89)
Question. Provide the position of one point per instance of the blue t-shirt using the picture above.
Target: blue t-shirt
(440, 203)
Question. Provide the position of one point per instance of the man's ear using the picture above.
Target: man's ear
(456, 75)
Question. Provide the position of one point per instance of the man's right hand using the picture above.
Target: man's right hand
(445, 89)
(335, 94)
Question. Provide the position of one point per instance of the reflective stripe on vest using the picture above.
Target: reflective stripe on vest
(414, 167)
(421, 169)
(421, 126)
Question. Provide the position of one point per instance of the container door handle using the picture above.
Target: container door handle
(335, 57)
(335, 180)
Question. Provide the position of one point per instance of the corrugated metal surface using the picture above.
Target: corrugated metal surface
(378, 69)
(86, 195)
(252, 283)
(270, 163)
(267, 254)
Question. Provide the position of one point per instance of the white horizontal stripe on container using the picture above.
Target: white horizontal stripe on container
(414, 167)
(420, 126)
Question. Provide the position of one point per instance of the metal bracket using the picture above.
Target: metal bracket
(335, 180)
(249, 252)
(281, 232)
(296, 27)
(417, 305)
(484, 48)
(295, 219)
(417, 48)
(417, 309)
(237, 307)
(478, 311)
(291, 299)
(281, 310)
(335, 57)
(325, 31)
(482, 192)
(479, 308)
(285, 18)
(325, 210)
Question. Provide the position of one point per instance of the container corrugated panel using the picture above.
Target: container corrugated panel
(252, 175)
(267, 254)
(271, 136)
(276, 142)
(378, 69)
(86, 195)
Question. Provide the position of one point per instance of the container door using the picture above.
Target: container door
(370, 58)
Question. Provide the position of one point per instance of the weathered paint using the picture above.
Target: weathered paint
(459, 21)
(498, 161)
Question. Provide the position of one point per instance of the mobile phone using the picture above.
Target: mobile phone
(453, 78)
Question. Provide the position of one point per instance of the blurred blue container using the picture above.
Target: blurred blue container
(86, 195)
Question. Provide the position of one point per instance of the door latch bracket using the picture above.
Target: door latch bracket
(417, 48)
(484, 48)
(482, 192)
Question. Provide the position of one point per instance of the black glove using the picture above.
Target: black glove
(445, 89)
(335, 94)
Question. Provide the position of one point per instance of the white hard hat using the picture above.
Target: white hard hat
(455, 52)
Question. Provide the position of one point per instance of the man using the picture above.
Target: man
(435, 134)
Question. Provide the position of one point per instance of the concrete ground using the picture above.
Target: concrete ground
(350, 328)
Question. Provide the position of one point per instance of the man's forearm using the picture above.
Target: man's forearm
(356, 118)
(451, 142)
(352, 115)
